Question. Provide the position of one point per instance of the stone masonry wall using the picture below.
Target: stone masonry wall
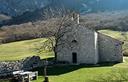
(24, 64)
(110, 50)
(85, 46)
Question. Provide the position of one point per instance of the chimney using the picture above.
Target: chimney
(78, 19)
(75, 17)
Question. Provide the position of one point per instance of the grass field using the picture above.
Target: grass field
(120, 35)
(21, 49)
(84, 73)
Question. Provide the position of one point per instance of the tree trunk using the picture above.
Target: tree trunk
(45, 73)
(55, 54)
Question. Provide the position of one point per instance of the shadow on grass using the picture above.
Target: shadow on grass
(62, 69)
(57, 70)
(4, 80)
(48, 59)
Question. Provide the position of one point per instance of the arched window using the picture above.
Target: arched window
(74, 41)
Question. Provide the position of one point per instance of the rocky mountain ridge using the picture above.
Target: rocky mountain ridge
(21, 11)
(18, 7)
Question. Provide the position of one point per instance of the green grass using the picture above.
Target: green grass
(4, 81)
(80, 73)
(114, 34)
(74, 73)
(21, 49)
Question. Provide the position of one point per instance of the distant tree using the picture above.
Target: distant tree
(102, 20)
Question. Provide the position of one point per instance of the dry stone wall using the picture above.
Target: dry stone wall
(24, 64)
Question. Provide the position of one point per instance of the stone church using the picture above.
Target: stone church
(86, 46)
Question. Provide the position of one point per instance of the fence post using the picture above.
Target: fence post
(23, 79)
(36, 75)
(28, 78)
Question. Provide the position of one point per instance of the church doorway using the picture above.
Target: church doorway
(74, 57)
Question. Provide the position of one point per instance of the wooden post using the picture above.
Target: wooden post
(78, 19)
(36, 75)
(45, 72)
(23, 79)
(28, 78)
(46, 79)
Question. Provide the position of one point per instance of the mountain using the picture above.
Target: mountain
(90, 6)
(18, 7)
(25, 11)
(22, 11)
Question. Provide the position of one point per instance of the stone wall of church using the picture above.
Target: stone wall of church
(110, 50)
(85, 46)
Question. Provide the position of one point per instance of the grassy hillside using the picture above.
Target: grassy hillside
(115, 34)
(21, 49)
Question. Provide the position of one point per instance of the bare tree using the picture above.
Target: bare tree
(60, 23)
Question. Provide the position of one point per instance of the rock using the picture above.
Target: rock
(24, 64)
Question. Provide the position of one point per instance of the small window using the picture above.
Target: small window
(117, 44)
(74, 41)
